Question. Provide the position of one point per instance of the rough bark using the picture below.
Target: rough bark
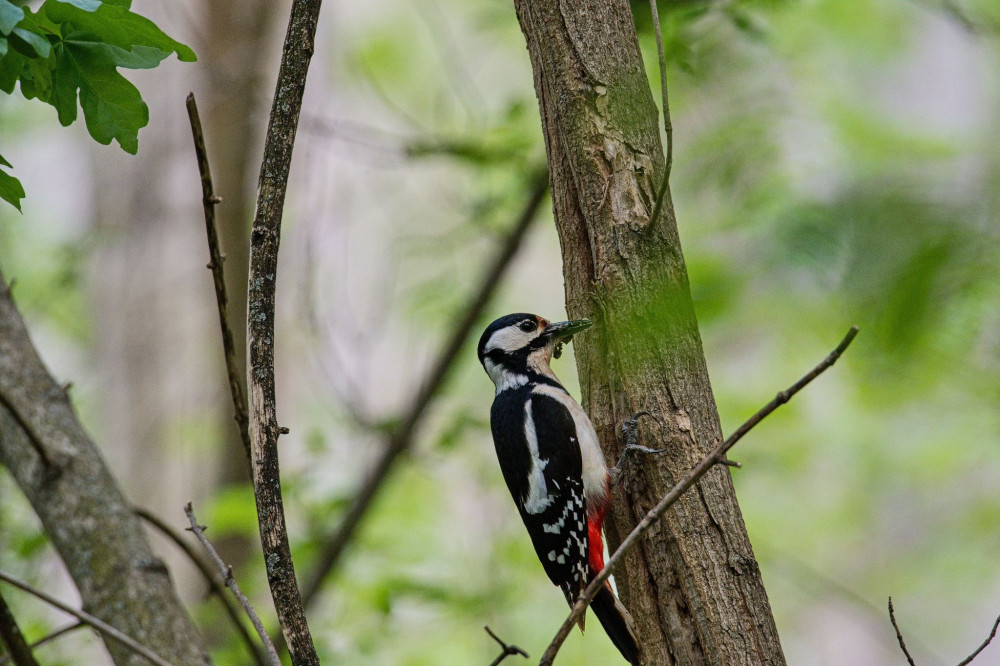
(84, 513)
(264, 239)
(693, 586)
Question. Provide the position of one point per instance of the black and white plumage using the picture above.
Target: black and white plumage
(552, 462)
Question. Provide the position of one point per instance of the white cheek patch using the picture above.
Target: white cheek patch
(509, 339)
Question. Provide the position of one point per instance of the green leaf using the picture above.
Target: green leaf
(3, 46)
(36, 79)
(117, 26)
(11, 65)
(85, 5)
(10, 16)
(11, 190)
(112, 106)
(140, 57)
(36, 42)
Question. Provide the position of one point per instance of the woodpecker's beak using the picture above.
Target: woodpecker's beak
(564, 330)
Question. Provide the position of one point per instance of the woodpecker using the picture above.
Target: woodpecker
(552, 462)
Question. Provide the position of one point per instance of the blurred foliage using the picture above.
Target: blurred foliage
(837, 162)
(67, 47)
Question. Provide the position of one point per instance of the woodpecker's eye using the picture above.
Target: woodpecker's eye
(528, 325)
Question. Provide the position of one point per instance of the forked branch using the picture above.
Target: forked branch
(506, 650)
(965, 662)
(227, 575)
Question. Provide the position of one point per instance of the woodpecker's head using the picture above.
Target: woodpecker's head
(518, 348)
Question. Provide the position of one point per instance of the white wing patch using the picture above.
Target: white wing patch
(538, 493)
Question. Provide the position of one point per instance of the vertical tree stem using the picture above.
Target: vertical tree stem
(264, 238)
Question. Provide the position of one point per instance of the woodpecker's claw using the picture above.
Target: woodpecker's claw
(630, 429)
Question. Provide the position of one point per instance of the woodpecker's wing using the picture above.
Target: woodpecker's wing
(539, 455)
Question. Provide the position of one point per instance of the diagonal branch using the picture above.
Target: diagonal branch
(679, 489)
(214, 581)
(264, 238)
(47, 638)
(88, 619)
(227, 575)
(403, 436)
(209, 199)
(989, 639)
(899, 634)
(12, 638)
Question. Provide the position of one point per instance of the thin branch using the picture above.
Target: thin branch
(989, 639)
(264, 239)
(209, 199)
(227, 575)
(668, 126)
(507, 650)
(402, 437)
(48, 638)
(215, 582)
(13, 639)
(899, 635)
(89, 620)
(679, 489)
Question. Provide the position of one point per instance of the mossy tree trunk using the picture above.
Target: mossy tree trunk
(693, 585)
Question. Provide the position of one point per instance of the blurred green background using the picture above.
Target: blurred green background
(837, 162)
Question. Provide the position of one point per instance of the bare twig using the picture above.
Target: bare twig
(209, 199)
(13, 639)
(215, 582)
(679, 489)
(402, 437)
(507, 650)
(227, 576)
(264, 238)
(49, 637)
(89, 620)
(668, 126)
(899, 635)
(989, 639)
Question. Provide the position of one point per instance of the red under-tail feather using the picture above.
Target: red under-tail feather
(613, 616)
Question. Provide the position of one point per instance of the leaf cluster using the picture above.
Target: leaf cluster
(72, 49)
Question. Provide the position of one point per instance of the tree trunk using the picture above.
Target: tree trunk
(84, 514)
(693, 585)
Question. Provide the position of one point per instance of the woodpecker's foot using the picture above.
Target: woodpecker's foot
(630, 430)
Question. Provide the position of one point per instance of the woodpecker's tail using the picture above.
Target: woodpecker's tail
(617, 622)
